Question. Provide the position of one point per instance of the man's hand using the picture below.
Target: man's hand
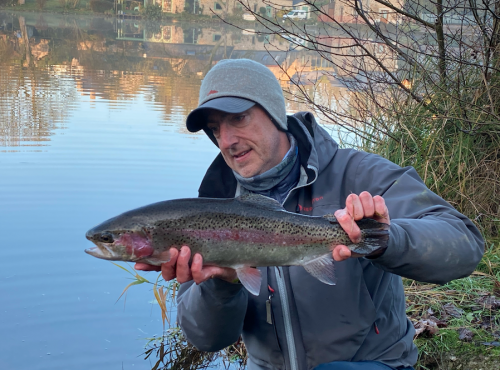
(356, 208)
(178, 267)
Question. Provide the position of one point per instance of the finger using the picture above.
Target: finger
(341, 253)
(381, 211)
(168, 269)
(146, 267)
(347, 223)
(367, 204)
(203, 273)
(183, 269)
(354, 207)
(197, 269)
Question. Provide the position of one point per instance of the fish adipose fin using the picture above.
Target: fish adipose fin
(251, 279)
(323, 269)
(331, 217)
(260, 201)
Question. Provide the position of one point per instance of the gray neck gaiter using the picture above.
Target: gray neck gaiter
(275, 175)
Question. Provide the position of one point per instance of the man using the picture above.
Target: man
(297, 322)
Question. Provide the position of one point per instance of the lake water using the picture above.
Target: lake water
(92, 115)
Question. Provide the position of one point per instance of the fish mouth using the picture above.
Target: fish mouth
(102, 251)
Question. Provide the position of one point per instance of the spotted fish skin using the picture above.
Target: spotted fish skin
(251, 230)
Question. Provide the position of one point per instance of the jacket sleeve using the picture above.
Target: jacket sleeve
(429, 240)
(211, 314)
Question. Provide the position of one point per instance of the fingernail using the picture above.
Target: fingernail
(184, 252)
(197, 258)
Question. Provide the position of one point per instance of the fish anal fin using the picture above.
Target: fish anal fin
(250, 278)
(260, 201)
(322, 268)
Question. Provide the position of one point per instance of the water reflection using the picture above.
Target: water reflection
(49, 63)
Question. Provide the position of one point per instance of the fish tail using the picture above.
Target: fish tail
(375, 238)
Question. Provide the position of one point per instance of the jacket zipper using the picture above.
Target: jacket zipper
(280, 278)
(303, 185)
(287, 319)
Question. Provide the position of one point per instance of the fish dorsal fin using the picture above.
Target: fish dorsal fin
(331, 217)
(260, 201)
(322, 268)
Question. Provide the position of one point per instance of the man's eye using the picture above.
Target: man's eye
(239, 118)
(213, 128)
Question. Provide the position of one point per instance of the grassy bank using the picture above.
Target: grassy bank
(458, 324)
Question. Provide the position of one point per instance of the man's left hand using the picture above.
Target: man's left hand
(358, 207)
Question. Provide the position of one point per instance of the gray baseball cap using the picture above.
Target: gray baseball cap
(235, 85)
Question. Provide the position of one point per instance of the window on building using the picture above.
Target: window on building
(384, 13)
(167, 6)
(269, 11)
(217, 37)
(217, 6)
(167, 33)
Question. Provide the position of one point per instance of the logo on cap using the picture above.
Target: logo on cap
(212, 92)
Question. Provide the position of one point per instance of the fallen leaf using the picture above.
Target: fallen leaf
(425, 327)
(439, 323)
(489, 303)
(452, 310)
(465, 334)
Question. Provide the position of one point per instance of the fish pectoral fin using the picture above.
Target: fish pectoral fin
(323, 269)
(156, 259)
(250, 278)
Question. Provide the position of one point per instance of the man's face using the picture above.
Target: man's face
(249, 141)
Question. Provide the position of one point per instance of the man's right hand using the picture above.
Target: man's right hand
(178, 267)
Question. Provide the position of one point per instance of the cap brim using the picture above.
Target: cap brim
(196, 120)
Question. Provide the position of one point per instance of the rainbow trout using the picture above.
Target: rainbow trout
(244, 232)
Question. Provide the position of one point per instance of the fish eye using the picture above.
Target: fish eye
(106, 237)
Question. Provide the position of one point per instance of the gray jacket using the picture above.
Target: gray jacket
(363, 316)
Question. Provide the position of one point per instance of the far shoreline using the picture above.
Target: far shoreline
(174, 17)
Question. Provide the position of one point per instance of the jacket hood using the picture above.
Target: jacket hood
(316, 149)
(319, 144)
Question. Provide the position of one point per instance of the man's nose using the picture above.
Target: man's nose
(227, 137)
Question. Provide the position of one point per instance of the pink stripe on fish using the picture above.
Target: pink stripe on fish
(254, 236)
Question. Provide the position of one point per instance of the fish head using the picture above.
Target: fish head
(119, 244)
